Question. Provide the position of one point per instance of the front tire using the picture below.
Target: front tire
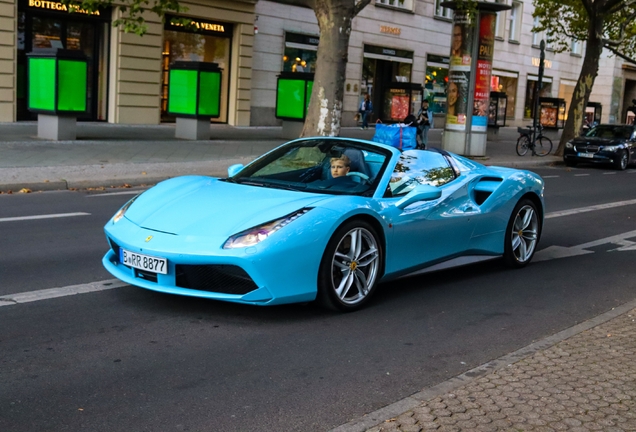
(622, 162)
(522, 234)
(523, 143)
(350, 267)
(542, 146)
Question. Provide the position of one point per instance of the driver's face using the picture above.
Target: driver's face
(339, 169)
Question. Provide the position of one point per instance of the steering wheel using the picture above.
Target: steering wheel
(364, 179)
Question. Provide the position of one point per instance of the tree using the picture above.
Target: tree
(601, 24)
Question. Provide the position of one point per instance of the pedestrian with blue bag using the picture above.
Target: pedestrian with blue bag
(365, 110)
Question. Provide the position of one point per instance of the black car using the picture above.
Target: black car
(606, 143)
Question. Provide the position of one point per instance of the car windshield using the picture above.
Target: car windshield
(417, 167)
(610, 131)
(331, 166)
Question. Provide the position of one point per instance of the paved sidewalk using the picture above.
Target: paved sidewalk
(581, 379)
(114, 155)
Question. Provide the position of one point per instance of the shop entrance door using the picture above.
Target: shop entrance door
(42, 33)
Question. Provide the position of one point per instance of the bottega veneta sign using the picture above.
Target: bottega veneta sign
(43, 4)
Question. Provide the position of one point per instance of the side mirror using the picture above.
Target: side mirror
(420, 193)
(232, 170)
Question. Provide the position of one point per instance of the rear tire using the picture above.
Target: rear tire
(522, 234)
(523, 143)
(350, 267)
(542, 146)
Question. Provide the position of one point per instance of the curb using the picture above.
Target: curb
(397, 408)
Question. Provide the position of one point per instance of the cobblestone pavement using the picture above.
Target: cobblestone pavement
(584, 383)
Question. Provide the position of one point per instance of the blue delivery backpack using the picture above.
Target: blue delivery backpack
(400, 136)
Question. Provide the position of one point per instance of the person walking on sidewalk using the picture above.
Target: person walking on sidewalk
(365, 110)
(424, 123)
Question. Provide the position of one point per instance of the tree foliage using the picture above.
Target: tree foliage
(601, 24)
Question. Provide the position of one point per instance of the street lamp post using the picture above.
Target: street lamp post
(537, 92)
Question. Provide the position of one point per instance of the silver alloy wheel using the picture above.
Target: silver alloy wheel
(524, 233)
(355, 266)
(623, 161)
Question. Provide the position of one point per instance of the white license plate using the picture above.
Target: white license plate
(143, 262)
(586, 155)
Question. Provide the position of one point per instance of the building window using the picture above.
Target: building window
(301, 52)
(515, 21)
(546, 91)
(442, 12)
(402, 4)
(500, 23)
(576, 47)
(536, 35)
(506, 82)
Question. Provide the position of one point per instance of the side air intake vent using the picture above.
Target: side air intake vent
(484, 188)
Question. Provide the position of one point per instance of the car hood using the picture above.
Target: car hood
(196, 205)
(597, 141)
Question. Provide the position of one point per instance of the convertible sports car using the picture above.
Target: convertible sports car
(322, 218)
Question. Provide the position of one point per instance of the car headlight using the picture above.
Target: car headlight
(569, 145)
(259, 233)
(610, 148)
(122, 211)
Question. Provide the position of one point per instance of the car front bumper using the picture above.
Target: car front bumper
(260, 275)
(598, 157)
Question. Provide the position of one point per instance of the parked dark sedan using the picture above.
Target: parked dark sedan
(606, 143)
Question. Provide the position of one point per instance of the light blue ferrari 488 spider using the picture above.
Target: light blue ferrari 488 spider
(322, 219)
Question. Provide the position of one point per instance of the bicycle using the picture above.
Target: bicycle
(541, 146)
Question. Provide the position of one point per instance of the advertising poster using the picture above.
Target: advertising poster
(459, 73)
(483, 72)
(457, 100)
(399, 107)
(461, 43)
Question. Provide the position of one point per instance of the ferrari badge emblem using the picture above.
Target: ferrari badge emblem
(148, 239)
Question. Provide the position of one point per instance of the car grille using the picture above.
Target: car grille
(587, 149)
(226, 279)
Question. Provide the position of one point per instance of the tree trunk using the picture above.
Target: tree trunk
(325, 107)
(589, 71)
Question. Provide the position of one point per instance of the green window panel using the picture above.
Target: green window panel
(42, 86)
(290, 99)
(209, 94)
(72, 85)
(182, 92)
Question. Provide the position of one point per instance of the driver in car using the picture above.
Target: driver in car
(340, 166)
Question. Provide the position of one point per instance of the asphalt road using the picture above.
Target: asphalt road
(128, 359)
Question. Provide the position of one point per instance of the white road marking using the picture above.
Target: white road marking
(554, 252)
(135, 192)
(45, 294)
(555, 176)
(47, 216)
(609, 173)
(589, 209)
(580, 175)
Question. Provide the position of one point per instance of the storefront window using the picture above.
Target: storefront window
(41, 31)
(200, 46)
(386, 76)
(546, 91)
(301, 52)
(508, 85)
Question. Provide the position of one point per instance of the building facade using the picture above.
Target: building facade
(399, 54)
(127, 80)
